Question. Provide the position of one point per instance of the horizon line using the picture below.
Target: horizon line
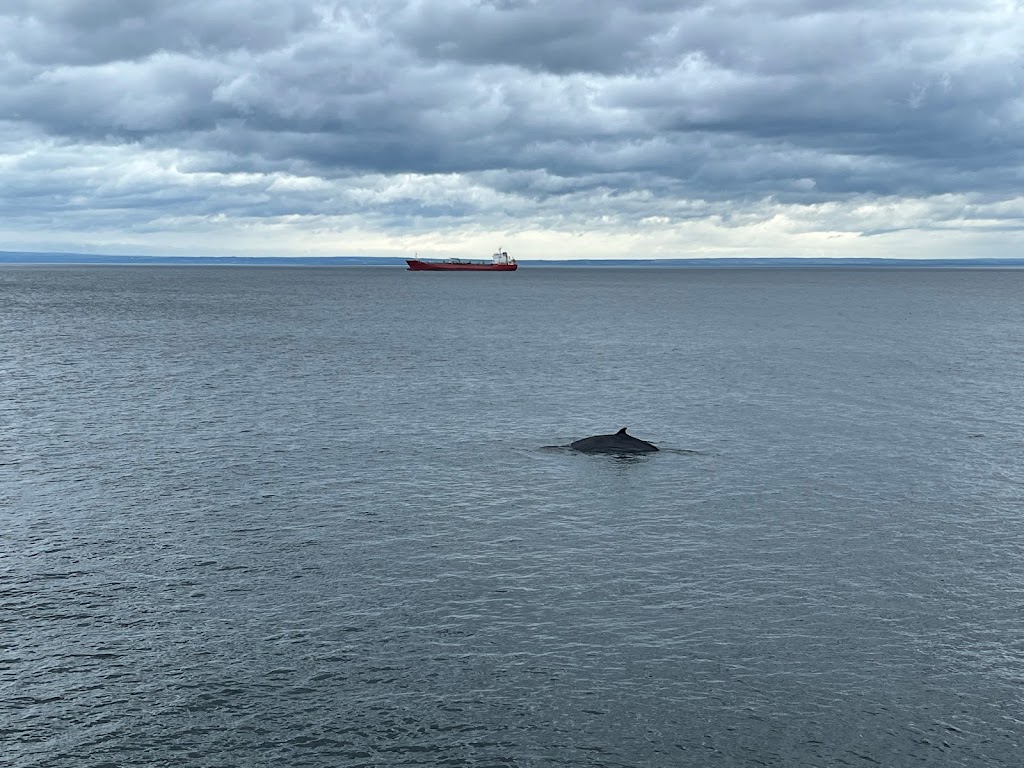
(71, 258)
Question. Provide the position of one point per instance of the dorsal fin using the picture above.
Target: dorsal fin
(621, 431)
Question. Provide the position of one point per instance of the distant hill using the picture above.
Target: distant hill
(25, 257)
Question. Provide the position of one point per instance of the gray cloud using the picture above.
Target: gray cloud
(552, 115)
(94, 32)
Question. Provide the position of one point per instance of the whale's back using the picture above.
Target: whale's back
(620, 442)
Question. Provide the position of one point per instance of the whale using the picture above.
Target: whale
(619, 443)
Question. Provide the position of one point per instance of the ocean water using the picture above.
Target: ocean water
(307, 517)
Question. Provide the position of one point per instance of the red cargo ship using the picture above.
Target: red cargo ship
(500, 262)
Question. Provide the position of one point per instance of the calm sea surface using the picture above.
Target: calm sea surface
(306, 517)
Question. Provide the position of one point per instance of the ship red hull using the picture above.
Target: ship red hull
(446, 266)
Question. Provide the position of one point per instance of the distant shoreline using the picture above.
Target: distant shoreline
(26, 258)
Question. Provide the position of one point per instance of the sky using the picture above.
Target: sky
(558, 129)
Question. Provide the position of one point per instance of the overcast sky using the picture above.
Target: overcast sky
(558, 128)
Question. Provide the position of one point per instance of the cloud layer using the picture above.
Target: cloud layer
(610, 128)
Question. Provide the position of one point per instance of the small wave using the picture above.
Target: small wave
(676, 451)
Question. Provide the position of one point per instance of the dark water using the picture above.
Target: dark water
(301, 517)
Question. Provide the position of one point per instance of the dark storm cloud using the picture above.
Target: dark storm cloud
(89, 32)
(601, 36)
(637, 104)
